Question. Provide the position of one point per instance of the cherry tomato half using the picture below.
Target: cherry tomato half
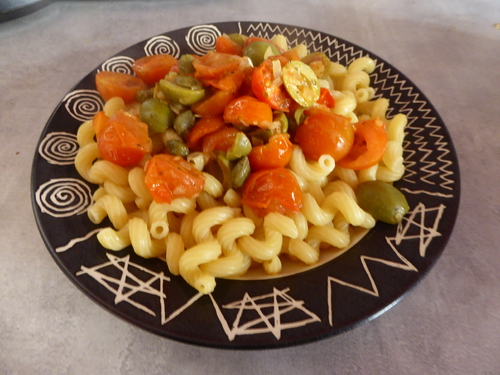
(123, 139)
(153, 68)
(272, 190)
(323, 133)
(277, 153)
(247, 111)
(370, 140)
(266, 90)
(112, 84)
(169, 177)
(215, 64)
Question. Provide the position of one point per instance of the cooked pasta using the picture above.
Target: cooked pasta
(214, 233)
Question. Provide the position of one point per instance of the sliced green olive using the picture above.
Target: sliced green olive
(259, 51)
(182, 89)
(186, 64)
(157, 115)
(383, 201)
(283, 120)
(240, 147)
(225, 169)
(318, 61)
(177, 148)
(183, 123)
(301, 83)
(237, 38)
(240, 172)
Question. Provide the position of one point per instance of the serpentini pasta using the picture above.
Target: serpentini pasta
(239, 158)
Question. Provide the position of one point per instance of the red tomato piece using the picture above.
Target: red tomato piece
(112, 84)
(370, 141)
(99, 121)
(214, 104)
(123, 139)
(326, 98)
(323, 133)
(220, 140)
(227, 82)
(213, 65)
(153, 68)
(170, 177)
(201, 128)
(224, 44)
(272, 190)
(277, 153)
(247, 110)
(266, 90)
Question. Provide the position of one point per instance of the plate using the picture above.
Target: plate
(334, 297)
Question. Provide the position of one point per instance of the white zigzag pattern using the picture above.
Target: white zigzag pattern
(405, 232)
(422, 112)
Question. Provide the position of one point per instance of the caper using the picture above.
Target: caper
(157, 115)
(258, 51)
(224, 169)
(143, 95)
(183, 123)
(177, 148)
(383, 201)
(240, 172)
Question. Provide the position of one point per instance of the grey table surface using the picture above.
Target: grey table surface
(449, 324)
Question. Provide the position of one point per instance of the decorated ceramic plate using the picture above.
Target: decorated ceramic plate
(268, 312)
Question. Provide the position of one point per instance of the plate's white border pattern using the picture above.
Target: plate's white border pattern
(65, 197)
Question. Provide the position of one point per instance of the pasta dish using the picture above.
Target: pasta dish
(252, 154)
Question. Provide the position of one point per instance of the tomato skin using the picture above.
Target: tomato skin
(169, 177)
(247, 110)
(277, 153)
(201, 128)
(153, 68)
(272, 190)
(123, 139)
(214, 104)
(268, 92)
(224, 44)
(215, 64)
(112, 84)
(324, 133)
(370, 140)
(220, 140)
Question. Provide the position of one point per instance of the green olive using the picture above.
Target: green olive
(157, 115)
(183, 123)
(237, 38)
(177, 148)
(283, 120)
(258, 51)
(240, 172)
(240, 147)
(186, 64)
(182, 89)
(383, 201)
